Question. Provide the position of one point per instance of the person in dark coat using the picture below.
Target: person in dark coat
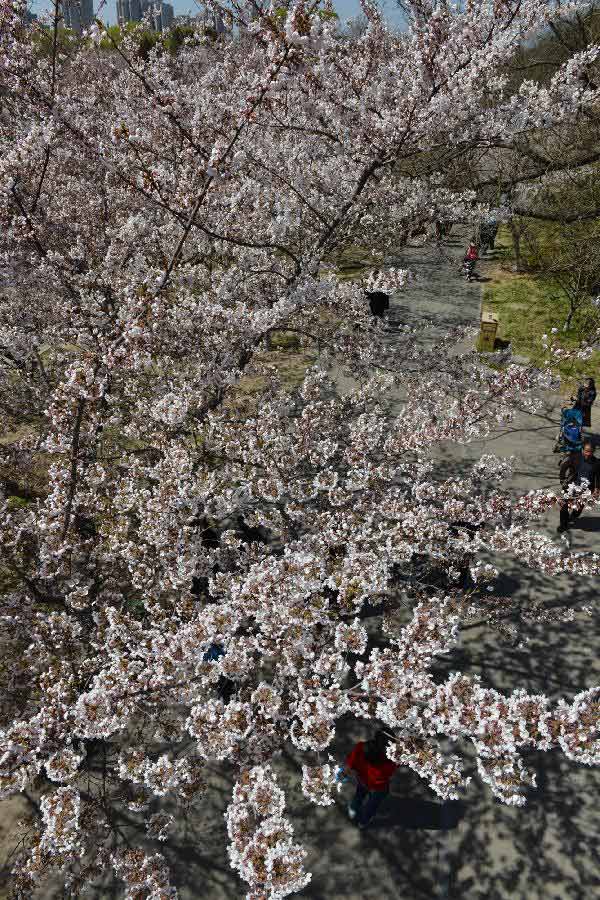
(575, 468)
(373, 771)
(225, 686)
(442, 229)
(585, 398)
(378, 302)
(488, 232)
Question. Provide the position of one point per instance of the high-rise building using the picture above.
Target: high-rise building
(29, 17)
(162, 14)
(133, 10)
(128, 11)
(213, 20)
(78, 14)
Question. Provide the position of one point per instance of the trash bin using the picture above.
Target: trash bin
(488, 330)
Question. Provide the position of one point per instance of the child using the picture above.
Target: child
(469, 261)
(471, 254)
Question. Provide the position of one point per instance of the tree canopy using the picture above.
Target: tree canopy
(190, 573)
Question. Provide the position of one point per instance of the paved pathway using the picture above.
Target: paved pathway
(548, 849)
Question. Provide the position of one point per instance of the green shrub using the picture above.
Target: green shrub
(15, 502)
(285, 340)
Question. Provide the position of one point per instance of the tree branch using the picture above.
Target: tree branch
(74, 460)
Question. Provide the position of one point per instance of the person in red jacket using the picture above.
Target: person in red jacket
(373, 771)
(472, 255)
(469, 261)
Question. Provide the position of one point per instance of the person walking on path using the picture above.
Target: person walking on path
(373, 771)
(575, 468)
(472, 255)
(586, 395)
(378, 302)
(442, 229)
(469, 261)
(487, 235)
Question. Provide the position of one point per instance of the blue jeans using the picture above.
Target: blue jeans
(365, 803)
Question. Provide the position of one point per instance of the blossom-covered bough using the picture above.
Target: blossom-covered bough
(161, 221)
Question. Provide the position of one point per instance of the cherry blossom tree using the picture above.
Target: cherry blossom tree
(186, 573)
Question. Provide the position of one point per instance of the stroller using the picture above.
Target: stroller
(570, 435)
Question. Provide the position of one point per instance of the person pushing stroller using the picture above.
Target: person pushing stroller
(584, 400)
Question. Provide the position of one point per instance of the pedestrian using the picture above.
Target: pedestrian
(378, 302)
(469, 261)
(225, 686)
(586, 395)
(472, 254)
(576, 468)
(488, 232)
(484, 237)
(373, 771)
(442, 229)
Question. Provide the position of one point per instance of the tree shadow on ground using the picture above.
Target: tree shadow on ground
(547, 849)
(415, 813)
(586, 523)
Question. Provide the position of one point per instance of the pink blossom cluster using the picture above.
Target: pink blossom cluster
(261, 846)
(198, 538)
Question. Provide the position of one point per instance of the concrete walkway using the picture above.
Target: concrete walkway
(547, 850)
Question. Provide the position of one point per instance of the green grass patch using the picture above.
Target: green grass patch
(528, 306)
(353, 263)
(285, 340)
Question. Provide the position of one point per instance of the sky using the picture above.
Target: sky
(344, 8)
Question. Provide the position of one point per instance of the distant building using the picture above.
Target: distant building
(78, 14)
(205, 19)
(29, 17)
(213, 20)
(129, 11)
(184, 19)
(162, 14)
